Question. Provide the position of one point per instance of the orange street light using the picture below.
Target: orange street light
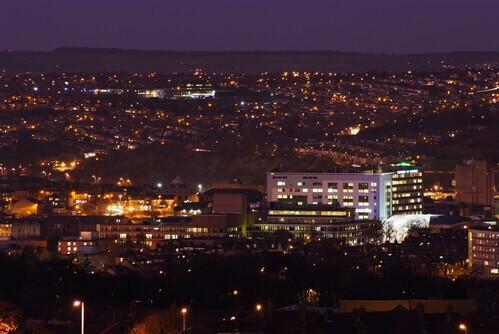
(79, 303)
(184, 313)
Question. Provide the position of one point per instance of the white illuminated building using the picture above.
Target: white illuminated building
(368, 193)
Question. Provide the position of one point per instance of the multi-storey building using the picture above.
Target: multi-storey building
(483, 251)
(199, 226)
(475, 183)
(407, 190)
(308, 214)
(315, 222)
(369, 193)
(78, 246)
(346, 232)
(13, 228)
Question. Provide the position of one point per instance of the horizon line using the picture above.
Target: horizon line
(97, 48)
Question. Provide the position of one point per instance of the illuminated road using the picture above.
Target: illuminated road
(485, 90)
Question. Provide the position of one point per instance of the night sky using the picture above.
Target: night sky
(397, 26)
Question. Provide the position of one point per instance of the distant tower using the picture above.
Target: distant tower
(407, 189)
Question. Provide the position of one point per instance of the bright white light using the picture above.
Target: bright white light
(159, 185)
(396, 227)
(353, 130)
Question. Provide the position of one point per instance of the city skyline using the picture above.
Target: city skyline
(180, 167)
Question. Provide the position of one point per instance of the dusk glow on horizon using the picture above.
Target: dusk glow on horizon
(237, 166)
(384, 26)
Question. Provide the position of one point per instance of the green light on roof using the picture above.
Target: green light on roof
(404, 164)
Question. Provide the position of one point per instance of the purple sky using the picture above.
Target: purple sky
(345, 25)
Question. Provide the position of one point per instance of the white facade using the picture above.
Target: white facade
(369, 193)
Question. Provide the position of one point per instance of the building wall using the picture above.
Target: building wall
(229, 203)
(483, 252)
(368, 193)
(71, 247)
(348, 233)
(407, 191)
(475, 183)
(152, 232)
(19, 229)
(307, 214)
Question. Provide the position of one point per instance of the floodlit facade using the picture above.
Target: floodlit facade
(368, 193)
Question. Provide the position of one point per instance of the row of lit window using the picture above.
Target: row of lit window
(334, 186)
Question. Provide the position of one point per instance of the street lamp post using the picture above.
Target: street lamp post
(184, 313)
(463, 328)
(79, 303)
(235, 318)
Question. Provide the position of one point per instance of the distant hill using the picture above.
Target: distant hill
(163, 163)
(95, 59)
